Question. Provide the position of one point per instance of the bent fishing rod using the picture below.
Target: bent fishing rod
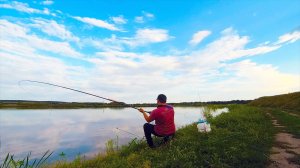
(46, 83)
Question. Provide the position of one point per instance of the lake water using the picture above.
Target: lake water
(74, 131)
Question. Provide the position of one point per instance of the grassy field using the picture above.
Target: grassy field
(240, 138)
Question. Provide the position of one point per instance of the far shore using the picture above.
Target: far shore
(28, 104)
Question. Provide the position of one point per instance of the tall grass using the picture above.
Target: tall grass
(112, 145)
(207, 112)
(10, 162)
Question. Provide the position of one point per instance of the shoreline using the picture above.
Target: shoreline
(24, 104)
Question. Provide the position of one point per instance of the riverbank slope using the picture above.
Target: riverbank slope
(240, 138)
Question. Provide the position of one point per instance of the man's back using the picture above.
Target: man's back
(164, 120)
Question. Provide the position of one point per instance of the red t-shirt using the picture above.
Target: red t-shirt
(164, 120)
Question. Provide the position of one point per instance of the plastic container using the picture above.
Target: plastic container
(203, 126)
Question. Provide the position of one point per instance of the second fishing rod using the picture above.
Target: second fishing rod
(111, 100)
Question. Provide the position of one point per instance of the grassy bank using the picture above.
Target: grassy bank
(289, 102)
(241, 138)
(283, 107)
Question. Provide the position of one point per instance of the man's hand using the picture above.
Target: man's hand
(141, 110)
(147, 118)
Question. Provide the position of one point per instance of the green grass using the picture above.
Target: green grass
(291, 123)
(11, 162)
(241, 138)
(289, 102)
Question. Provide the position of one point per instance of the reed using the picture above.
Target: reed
(11, 162)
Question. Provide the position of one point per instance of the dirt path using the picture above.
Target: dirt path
(284, 152)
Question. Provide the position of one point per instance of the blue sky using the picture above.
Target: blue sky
(133, 50)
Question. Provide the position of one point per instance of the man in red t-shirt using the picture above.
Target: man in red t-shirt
(164, 121)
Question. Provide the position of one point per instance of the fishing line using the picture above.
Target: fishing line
(128, 132)
(46, 83)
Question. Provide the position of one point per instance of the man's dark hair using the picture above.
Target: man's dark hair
(162, 98)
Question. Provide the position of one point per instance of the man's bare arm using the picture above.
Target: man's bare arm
(147, 118)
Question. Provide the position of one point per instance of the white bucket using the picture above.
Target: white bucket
(203, 127)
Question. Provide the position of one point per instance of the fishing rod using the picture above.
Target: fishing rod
(46, 83)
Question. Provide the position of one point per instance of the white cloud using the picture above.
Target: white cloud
(101, 44)
(10, 47)
(118, 71)
(124, 75)
(249, 80)
(232, 46)
(118, 54)
(152, 35)
(22, 36)
(106, 44)
(35, 67)
(148, 15)
(145, 17)
(139, 19)
(47, 2)
(119, 19)
(147, 36)
(289, 37)
(10, 29)
(46, 11)
(52, 28)
(97, 23)
(119, 59)
(205, 67)
(23, 7)
(142, 37)
(253, 51)
(199, 36)
(242, 80)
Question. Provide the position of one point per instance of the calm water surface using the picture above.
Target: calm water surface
(74, 131)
